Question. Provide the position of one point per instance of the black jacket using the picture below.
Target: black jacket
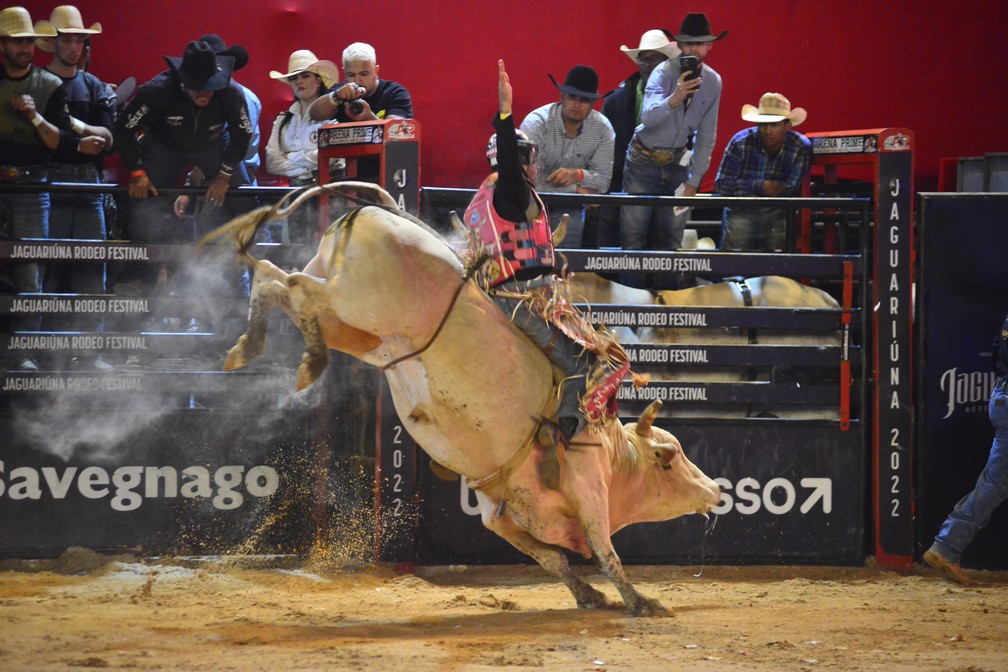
(620, 108)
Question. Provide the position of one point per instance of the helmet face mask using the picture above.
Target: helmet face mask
(527, 150)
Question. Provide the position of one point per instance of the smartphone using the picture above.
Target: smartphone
(691, 65)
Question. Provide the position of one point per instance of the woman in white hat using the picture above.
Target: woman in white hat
(292, 150)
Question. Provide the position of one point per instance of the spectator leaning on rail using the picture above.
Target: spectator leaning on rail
(92, 110)
(623, 110)
(575, 143)
(33, 123)
(190, 113)
(770, 159)
(292, 150)
(671, 148)
(974, 510)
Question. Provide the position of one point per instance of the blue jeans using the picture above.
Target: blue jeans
(641, 176)
(26, 215)
(76, 217)
(754, 229)
(974, 510)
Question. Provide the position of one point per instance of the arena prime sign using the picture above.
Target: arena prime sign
(395, 143)
(960, 305)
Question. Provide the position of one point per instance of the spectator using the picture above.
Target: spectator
(974, 510)
(575, 143)
(191, 113)
(379, 98)
(33, 114)
(767, 160)
(363, 97)
(92, 108)
(292, 149)
(671, 149)
(623, 110)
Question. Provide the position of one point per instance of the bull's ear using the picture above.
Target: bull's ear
(647, 418)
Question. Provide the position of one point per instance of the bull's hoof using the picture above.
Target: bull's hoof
(310, 370)
(651, 607)
(237, 357)
(589, 598)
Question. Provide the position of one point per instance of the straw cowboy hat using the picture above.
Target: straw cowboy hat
(581, 81)
(16, 22)
(773, 107)
(653, 40)
(216, 43)
(65, 19)
(696, 28)
(201, 69)
(303, 60)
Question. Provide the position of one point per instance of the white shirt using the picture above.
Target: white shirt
(293, 149)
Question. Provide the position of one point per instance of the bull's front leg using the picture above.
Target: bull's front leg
(269, 290)
(592, 505)
(549, 558)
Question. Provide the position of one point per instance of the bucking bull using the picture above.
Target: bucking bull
(469, 388)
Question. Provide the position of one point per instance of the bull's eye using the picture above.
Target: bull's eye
(657, 454)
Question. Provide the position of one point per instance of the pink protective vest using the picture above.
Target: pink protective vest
(512, 246)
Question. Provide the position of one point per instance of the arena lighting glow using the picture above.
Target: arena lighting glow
(134, 484)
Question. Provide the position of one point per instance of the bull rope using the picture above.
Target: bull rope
(437, 332)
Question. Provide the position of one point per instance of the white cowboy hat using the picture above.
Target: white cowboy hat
(67, 19)
(773, 107)
(652, 40)
(16, 22)
(303, 60)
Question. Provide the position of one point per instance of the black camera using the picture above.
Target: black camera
(690, 65)
(356, 106)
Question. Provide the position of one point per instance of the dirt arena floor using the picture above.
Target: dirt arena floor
(84, 610)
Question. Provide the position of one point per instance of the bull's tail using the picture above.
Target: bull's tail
(243, 229)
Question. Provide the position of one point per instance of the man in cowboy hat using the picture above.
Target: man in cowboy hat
(575, 142)
(769, 159)
(671, 149)
(33, 123)
(92, 109)
(623, 110)
(191, 113)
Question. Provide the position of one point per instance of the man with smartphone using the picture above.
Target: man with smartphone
(671, 148)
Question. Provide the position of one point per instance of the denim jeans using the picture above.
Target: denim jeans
(642, 177)
(26, 215)
(753, 229)
(974, 510)
(570, 357)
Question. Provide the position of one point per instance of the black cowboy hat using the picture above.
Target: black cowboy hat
(201, 69)
(696, 28)
(239, 52)
(581, 81)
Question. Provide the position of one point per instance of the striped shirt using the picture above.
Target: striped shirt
(591, 150)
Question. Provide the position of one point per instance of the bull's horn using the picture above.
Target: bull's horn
(647, 418)
(560, 232)
(458, 228)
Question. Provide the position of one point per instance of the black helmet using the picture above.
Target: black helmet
(525, 147)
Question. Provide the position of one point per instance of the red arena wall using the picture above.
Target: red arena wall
(920, 65)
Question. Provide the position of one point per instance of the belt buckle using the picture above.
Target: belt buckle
(661, 157)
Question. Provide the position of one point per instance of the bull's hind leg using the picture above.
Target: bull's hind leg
(269, 290)
(549, 558)
(307, 299)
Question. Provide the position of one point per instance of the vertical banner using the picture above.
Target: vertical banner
(961, 301)
(395, 476)
(892, 439)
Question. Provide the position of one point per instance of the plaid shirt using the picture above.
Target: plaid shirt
(745, 165)
(591, 150)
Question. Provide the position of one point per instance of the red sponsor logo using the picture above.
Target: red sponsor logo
(897, 142)
(402, 130)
